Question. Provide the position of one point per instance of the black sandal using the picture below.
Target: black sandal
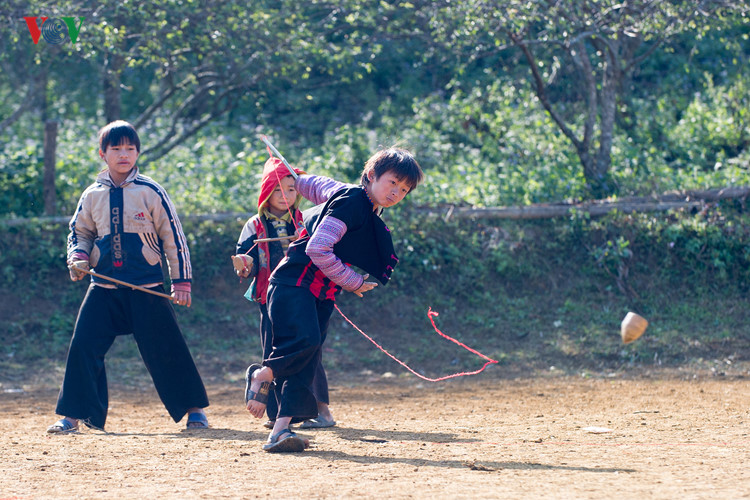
(265, 387)
(290, 443)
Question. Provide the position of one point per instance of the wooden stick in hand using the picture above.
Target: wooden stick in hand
(119, 282)
(280, 238)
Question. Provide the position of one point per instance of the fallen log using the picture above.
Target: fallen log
(674, 200)
(542, 211)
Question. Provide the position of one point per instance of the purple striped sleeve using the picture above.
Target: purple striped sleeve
(317, 188)
(320, 250)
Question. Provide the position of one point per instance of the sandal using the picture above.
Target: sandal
(284, 441)
(265, 387)
(318, 422)
(198, 421)
(63, 426)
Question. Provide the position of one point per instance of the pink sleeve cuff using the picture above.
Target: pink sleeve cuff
(76, 256)
(181, 287)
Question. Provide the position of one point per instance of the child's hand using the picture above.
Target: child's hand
(77, 269)
(242, 265)
(366, 286)
(181, 294)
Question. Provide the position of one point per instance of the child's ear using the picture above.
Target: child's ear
(371, 174)
(101, 154)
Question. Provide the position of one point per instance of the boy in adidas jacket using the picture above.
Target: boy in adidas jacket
(122, 226)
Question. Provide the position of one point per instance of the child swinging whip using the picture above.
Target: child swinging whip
(343, 229)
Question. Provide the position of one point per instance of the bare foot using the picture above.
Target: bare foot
(259, 384)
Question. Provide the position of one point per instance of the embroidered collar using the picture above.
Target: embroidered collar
(268, 215)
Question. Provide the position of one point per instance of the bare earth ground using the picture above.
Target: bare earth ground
(476, 437)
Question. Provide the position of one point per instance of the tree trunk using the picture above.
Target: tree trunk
(111, 84)
(50, 149)
(608, 107)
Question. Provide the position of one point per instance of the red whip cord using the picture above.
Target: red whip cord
(431, 314)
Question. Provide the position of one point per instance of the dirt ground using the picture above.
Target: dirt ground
(662, 436)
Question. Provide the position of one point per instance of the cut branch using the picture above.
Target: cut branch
(668, 201)
(690, 200)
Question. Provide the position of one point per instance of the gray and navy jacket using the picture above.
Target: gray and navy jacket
(126, 229)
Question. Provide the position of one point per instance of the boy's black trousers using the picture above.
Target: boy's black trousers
(106, 313)
(320, 380)
(299, 326)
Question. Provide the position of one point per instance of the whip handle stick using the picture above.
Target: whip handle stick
(134, 287)
(276, 152)
(280, 238)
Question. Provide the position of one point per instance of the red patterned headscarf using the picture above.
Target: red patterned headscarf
(273, 171)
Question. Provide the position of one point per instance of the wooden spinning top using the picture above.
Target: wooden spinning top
(632, 327)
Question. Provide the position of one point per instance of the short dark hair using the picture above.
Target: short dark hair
(400, 161)
(118, 132)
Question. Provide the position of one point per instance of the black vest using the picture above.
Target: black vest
(367, 243)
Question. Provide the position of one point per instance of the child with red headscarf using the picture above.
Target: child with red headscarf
(278, 218)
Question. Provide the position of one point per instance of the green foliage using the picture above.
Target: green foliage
(20, 187)
(30, 252)
(332, 84)
(530, 293)
(714, 131)
(211, 174)
(488, 146)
